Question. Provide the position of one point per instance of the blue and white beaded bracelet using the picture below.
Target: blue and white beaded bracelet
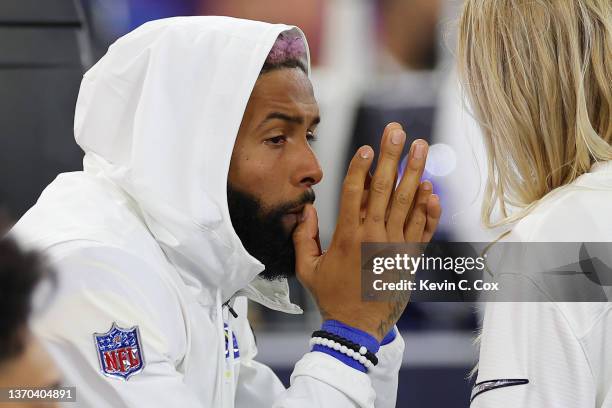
(337, 344)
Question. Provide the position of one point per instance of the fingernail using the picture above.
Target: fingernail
(365, 152)
(419, 150)
(397, 136)
(427, 185)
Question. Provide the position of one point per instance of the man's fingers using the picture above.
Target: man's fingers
(415, 225)
(368, 180)
(434, 212)
(364, 197)
(390, 203)
(403, 195)
(306, 243)
(382, 184)
(353, 187)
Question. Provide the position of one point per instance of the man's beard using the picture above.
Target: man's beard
(262, 233)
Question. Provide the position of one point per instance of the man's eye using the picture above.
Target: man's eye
(311, 137)
(276, 141)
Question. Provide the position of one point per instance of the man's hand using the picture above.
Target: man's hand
(408, 213)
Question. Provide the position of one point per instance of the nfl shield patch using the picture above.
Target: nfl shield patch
(119, 352)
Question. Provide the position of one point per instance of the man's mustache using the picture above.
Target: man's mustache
(308, 197)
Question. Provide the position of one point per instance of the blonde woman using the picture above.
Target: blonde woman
(538, 75)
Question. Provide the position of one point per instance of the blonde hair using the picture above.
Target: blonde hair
(536, 74)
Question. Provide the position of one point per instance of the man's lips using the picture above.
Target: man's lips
(292, 217)
(296, 210)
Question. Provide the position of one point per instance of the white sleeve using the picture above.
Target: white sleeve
(385, 375)
(531, 357)
(259, 387)
(321, 381)
(90, 297)
(318, 381)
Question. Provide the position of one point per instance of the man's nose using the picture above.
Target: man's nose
(308, 171)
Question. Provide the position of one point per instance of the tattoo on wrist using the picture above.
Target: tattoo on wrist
(398, 304)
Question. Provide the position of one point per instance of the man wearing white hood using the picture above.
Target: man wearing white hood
(196, 194)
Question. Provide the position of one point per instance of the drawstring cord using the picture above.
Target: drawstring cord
(231, 309)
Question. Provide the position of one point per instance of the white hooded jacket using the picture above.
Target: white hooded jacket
(142, 236)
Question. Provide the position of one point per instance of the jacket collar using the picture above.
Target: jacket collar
(272, 294)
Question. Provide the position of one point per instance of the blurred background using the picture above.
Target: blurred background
(374, 61)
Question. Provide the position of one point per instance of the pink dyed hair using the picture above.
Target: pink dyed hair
(288, 51)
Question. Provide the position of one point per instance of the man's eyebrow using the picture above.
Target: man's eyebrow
(298, 120)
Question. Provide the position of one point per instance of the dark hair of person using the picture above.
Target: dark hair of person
(20, 272)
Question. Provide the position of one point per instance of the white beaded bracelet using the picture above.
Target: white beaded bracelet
(321, 341)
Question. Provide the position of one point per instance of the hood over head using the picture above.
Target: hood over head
(158, 115)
